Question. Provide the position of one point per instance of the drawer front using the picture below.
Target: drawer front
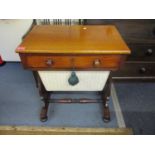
(135, 70)
(142, 53)
(134, 32)
(57, 62)
(58, 80)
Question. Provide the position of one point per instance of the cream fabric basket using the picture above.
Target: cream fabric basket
(88, 80)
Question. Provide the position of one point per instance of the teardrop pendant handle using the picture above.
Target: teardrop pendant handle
(73, 79)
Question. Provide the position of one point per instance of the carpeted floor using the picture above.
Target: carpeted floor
(20, 104)
(137, 102)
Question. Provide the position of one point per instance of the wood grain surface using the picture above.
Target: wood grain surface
(32, 130)
(77, 39)
(69, 62)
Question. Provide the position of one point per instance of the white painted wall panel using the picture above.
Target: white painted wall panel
(11, 32)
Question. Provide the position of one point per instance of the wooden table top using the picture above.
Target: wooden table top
(79, 39)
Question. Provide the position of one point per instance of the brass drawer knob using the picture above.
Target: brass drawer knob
(142, 70)
(49, 62)
(149, 52)
(97, 62)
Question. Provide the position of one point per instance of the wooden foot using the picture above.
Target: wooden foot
(44, 110)
(43, 114)
(106, 113)
(106, 117)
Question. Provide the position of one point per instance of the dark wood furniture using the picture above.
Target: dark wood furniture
(73, 47)
(139, 35)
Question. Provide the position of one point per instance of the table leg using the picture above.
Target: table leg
(44, 111)
(35, 75)
(106, 96)
(45, 97)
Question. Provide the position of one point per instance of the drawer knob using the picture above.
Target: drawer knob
(49, 62)
(97, 62)
(149, 52)
(142, 70)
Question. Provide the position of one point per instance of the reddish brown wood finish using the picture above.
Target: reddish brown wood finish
(67, 62)
(73, 47)
(77, 39)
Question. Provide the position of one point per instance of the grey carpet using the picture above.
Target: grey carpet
(20, 104)
(137, 101)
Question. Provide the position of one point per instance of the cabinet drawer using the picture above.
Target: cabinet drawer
(81, 62)
(135, 70)
(142, 53)
(135, 32)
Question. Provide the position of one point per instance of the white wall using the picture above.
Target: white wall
(11, 32)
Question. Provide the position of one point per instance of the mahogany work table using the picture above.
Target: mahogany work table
(76, 54)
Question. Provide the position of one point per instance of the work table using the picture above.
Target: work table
(48, 50)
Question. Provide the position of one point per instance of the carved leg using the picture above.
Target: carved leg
(45, 97)
(35, 75)
(106, 96)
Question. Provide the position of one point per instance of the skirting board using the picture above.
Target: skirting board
(33, 130)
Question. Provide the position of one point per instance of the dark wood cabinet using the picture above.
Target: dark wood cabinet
(139, 34)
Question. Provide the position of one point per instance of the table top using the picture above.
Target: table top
(79, 39)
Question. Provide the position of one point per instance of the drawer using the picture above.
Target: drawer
(134, 32)
(68, 62)
(135, 70)
(58, 80)
(142, 53)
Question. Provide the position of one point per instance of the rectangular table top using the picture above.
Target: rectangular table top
(79, 39)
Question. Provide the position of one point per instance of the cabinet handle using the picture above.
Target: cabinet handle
(149, 52)
(142, 70)
(49, 62)
(97, 62)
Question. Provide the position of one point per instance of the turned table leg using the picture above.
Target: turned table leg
(106, 97)
(44, 110)
(45, 97)
(35, 75)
